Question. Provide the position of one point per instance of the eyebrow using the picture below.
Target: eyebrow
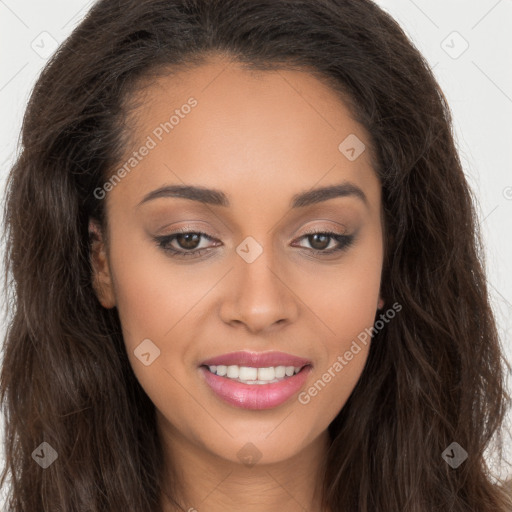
(219, 198)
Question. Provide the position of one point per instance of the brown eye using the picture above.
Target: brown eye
(186, 243)
(188, 240)
(319, 241)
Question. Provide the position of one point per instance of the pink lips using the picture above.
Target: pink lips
(257, 360)
(256, 396)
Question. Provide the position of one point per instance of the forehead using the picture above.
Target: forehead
(223, 126)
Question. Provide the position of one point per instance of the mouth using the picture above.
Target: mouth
(255, 381)
(249, 359)
(254, 375)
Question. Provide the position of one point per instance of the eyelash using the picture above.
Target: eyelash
(344, 242)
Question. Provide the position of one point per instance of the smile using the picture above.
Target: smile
(250, 375)
(277, 384)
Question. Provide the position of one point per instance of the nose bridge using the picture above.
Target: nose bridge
(259, 278)
(259, 297)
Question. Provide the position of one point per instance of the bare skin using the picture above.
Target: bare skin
(260, 138)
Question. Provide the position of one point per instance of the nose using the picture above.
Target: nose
(259, 296)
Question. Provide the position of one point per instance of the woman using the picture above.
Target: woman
(246, 271)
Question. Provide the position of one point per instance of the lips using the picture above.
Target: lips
(255, 396)
(257, 359)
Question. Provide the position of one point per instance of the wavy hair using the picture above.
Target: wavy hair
(434, 375)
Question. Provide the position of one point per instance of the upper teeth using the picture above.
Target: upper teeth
(249, 374)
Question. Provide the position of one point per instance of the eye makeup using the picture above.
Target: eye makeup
(175, 244)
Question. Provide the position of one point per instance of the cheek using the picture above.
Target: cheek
(150, 296)
(346, 306)
(344, 296)
(154, 301)
(332, 385)
(348, 313)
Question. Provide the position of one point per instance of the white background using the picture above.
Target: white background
(477, 82)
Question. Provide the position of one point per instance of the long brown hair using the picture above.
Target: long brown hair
(434, 375)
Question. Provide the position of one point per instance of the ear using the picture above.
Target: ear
(380, 304)
(101, 275)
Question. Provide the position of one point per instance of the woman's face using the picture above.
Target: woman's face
(258, 280)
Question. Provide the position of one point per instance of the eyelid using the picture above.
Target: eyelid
(324, 229)
(343, 243)
(310, 231)
(195, 226)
